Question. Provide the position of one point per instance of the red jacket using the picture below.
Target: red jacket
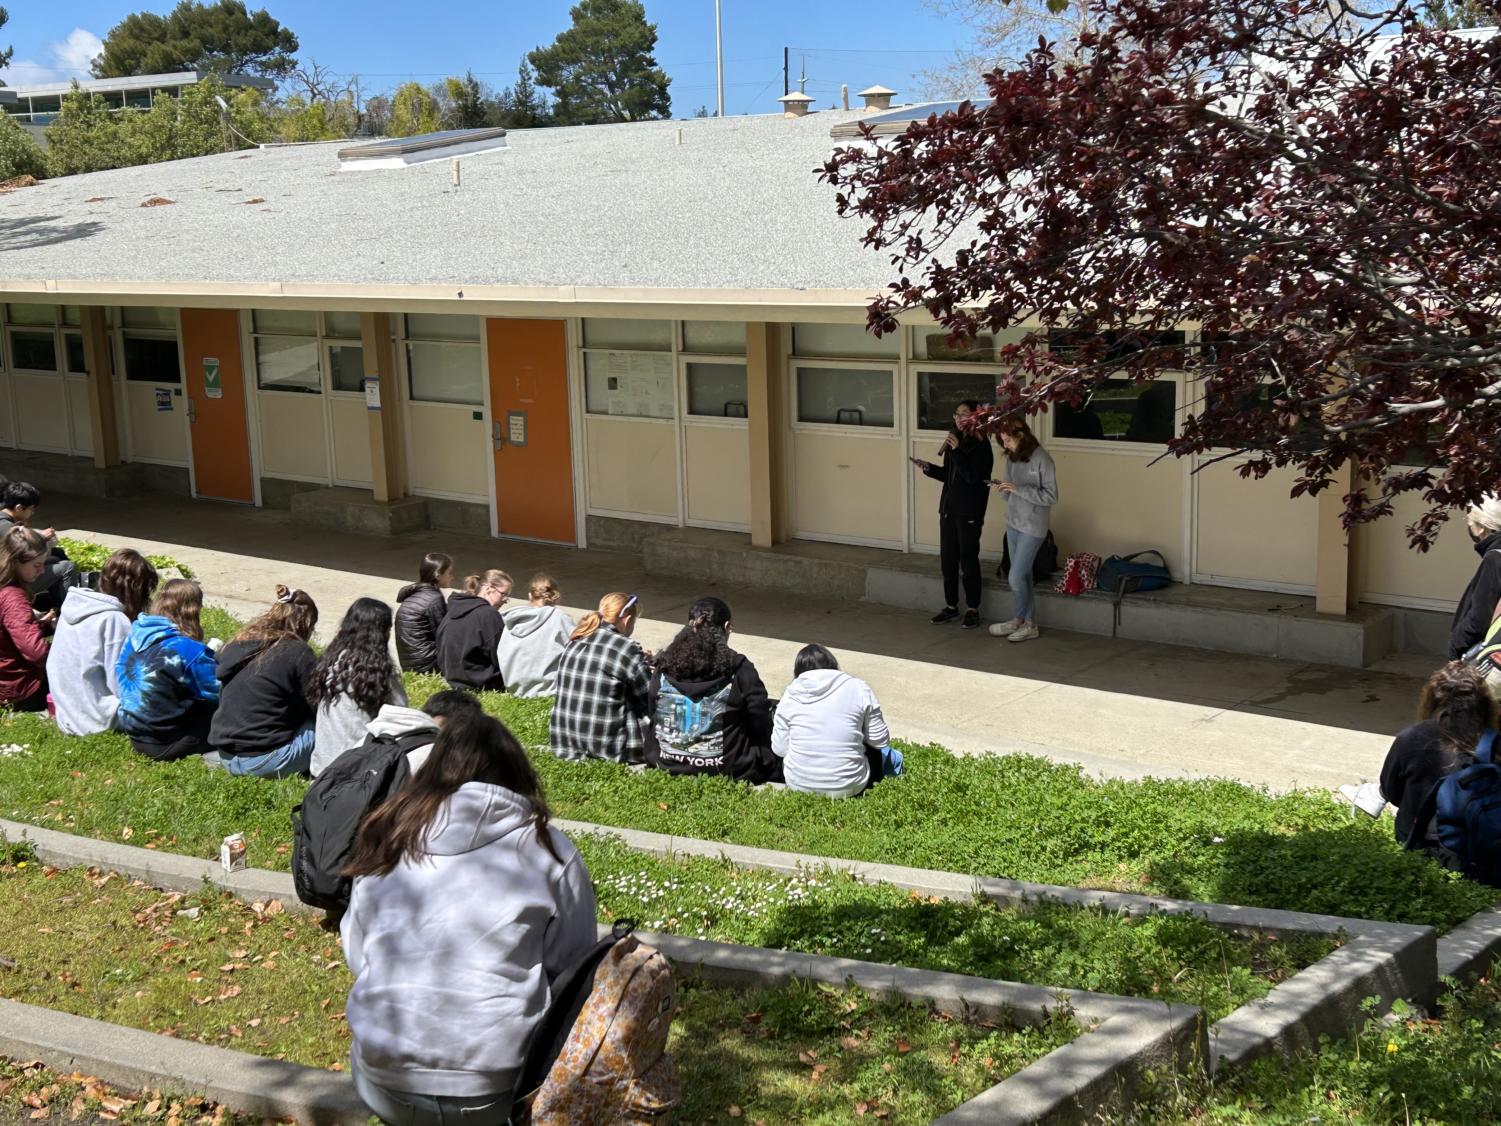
(23, 652)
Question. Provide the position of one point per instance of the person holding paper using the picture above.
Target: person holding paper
(965, 473)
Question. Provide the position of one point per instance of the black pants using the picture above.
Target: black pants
(190, 738)
(959, 553)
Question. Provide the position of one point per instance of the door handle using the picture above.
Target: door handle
(192, 411)
(497, 434)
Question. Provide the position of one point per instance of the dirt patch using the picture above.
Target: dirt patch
(158, 201)
(257, 199)
(24, 181)
(99, 199)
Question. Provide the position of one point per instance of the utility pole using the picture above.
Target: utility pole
(719, 56)
(786, 83)
(802, 78)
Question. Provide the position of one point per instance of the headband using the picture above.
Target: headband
(291, 594)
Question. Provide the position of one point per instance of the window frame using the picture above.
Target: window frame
(404, 340)
(918, 368)
(795, 368)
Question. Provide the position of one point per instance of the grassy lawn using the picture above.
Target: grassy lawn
(90, 556)
(253, 978)
(30, 1092)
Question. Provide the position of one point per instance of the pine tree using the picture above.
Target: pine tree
(602, 68)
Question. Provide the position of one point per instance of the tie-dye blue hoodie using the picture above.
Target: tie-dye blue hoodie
(164, 676)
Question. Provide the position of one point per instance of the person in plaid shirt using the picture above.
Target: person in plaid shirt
(603, 681)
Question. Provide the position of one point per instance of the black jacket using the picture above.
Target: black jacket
(1417, 762)
(263, 696)
(728, 731)
(420, 608)
(965, 474)
(466, 643)
(1478, 603)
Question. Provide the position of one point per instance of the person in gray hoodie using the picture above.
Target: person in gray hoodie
(1031, 490)
(529, 650)
(351, 682)
(82, 668)
(466, 907)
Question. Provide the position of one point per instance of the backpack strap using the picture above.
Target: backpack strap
(1483, 748)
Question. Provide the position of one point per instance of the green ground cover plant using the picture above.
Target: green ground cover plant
(90, 556)
(254, 978)
(30, 1093)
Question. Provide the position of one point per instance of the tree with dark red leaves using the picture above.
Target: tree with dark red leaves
(1312, 190)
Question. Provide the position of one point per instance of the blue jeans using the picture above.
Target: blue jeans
(294, 758)
(1023, 549)
(403, 1108)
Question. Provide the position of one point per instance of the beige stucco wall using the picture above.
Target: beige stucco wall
(1118, 503)
(847, 486)
(155, 435)
(1387, 570)
(351, 439)
(716, 463)
(7, 432)
(633, 466)
(293, 443)
(40, 401)
(447, 451)
(1253, 530)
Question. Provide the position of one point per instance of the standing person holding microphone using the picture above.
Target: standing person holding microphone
(965, 473)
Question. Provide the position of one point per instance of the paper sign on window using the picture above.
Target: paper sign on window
(372, 392)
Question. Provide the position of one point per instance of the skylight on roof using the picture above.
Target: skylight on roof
(896, 120)
(398, 152)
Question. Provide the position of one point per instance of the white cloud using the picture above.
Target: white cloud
(63, 59)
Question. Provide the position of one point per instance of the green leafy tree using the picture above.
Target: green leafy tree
(86, 136)
(8, 51)
(413, 110)
(602, 69)
(223, 36)
(20, 155)
(1453, 14)
(462, 102)
(326, 119)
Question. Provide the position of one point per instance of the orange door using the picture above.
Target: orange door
(529, 429)
(216, 404)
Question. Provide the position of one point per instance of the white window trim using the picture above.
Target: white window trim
(402, 339)
(893, 367)
(708, 421)
(951, 367)
(677, 410)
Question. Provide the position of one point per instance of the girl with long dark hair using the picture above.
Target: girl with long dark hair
(1454, 710)
(710, 712)
(466, 906)
(353, 679)
(264, 725)
(23, 646)
(420, 607)
(168, 684)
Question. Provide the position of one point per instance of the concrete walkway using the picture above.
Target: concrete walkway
(1118, 708)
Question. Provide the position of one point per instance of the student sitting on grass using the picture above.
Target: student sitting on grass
(710, 713)
(23, 646)
(83, 667)
(830, 730)
(533, 642)
(264, 725)
(168, 684)
(419, 726)
(18, 505)
(420, 607)
(603, 687)
(1455, 709)
(470, 632)
(466, 907)
(353, 679)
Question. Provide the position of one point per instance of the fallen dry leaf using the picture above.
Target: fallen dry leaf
(126, 833)
(734, 1111)
(158, 201)
(903, 1047)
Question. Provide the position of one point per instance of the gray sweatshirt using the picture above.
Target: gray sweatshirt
(81, 673)
(341, 725)
(1036, 484)
(529, 650)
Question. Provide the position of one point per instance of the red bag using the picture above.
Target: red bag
(1080, 570)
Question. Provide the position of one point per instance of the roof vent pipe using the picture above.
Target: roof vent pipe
(795, 104)
(844, 95)
(877, 98)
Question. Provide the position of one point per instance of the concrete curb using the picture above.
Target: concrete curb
(1094, 1074)
(1469, 949)
(129, 1057)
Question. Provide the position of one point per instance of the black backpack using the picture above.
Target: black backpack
(325, 823)
(1042, 567)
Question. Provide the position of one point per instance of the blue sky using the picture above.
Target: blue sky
(386, 42)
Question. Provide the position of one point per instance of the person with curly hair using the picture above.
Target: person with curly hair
(352, 681)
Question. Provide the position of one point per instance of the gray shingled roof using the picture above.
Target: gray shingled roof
(736, 205)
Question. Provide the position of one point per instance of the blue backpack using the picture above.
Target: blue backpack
(1467, 815)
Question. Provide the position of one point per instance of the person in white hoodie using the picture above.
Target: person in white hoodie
(830, 731)
(529, 650)
(82, 668)
(466, 907)
(417, 728)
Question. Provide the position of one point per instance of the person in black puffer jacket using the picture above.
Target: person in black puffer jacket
(420, 607)
(1477, 606)
(710, 712)
(470, 633)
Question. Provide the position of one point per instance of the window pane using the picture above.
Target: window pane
(432, 326)
(636, 336)
(717, 390)
(842, 340)
(31, 314)
(632, 385)
(939, 392)
(150, 359)
(149, 317)
(33, 351)
(933, 344)
(73, 353)
(71, 315)
(724, 338)
(346, 326)
(1121, 411)
(845, 396)
(445, 373)
(287, 364)
(1117, 345)
(288, 322)
(346, 367)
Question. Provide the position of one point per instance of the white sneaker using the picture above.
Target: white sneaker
(1025, 633)
(1005, 629)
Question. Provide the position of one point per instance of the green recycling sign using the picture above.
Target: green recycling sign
(212, 387)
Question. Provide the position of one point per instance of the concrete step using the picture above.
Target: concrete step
(355, 510)
(60, 473)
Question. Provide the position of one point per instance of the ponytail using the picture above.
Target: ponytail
(612, 607)
(473, 584)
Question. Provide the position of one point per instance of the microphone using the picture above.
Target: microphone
(943, 449)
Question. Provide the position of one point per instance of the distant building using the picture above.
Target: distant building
(36, 107)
